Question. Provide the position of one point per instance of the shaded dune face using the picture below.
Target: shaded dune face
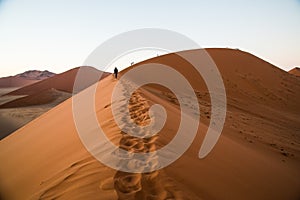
(259, 145)
(45, 97)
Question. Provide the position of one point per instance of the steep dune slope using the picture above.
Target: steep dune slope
(262, 99)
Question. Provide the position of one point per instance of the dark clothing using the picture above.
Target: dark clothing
(116, 72)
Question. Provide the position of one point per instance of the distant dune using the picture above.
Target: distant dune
(18, 112)
(62, 82)
(25, 78)
(44, 97)
(22, 105)
(256, 157)
(295, 71)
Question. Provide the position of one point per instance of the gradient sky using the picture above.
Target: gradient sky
(59, 34)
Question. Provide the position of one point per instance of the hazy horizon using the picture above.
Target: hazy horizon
(57, 36)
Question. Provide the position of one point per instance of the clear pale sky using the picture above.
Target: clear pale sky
(59, 34)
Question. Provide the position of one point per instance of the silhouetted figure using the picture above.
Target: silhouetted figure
(116, 72)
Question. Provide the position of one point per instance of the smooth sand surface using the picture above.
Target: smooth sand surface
(256, 157)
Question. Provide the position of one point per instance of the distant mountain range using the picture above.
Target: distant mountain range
(36, 74)
(25, 78)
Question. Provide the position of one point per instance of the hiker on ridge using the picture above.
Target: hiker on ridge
(116, 72)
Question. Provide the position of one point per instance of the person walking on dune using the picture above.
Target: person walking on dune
(116, 72)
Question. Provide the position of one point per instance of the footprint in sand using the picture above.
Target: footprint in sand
(134, 186)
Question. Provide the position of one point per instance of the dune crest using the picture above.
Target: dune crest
(295, 71)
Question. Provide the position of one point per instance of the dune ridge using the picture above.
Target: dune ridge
(295, 71)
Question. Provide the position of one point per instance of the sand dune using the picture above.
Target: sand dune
(295, 71)
(62, 82)
(4, 91)
(18, 112)
(19, 106)
(15, 82)
(257, 156)
(4, 99)
(44, 97)
(11, 119)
